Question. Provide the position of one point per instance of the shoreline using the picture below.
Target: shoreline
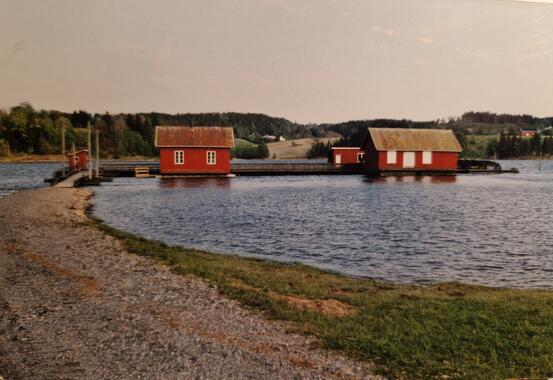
(67, 289)
(446, 329)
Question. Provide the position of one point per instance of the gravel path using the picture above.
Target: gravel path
(74, 304)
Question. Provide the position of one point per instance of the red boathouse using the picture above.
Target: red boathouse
(411, 151)
(342, 155)
(194, 150)
(78, 160)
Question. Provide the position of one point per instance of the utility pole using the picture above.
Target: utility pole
(97, 152)
(63, 148)
(89, 151)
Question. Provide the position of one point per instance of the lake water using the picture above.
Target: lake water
(15, 177)
(485, 229)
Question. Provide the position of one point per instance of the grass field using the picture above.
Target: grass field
(242, 142)
(292, 149)
(443, 331)
(476, 145)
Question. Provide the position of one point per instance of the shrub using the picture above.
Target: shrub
(4, 148)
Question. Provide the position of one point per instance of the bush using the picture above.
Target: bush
(4, 148)
(251, 151)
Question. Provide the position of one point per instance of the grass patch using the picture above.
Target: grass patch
(477, 144)
(243, 143)
(446, 330)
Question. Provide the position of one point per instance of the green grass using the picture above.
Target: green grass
(477, 144)
(243, 143)
(447, 330)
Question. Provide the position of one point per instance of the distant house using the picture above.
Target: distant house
(194, 150)
(345, 155)
(78, 160)
(269, 138)
(410, 151)
(525, 133)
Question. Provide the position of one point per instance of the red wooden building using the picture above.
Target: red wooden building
(411, 151)
(79, 160)
(194, 150)
(525, 133)
(345, 155)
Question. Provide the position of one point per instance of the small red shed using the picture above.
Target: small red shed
(345, 155)
(525, 133)
(411, 151)
(79, 160)
(194, 150)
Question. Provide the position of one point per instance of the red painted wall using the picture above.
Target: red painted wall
(83, 161)
(195, 161)
(349, 156)
(375, 160)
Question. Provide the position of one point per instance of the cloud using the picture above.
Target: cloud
(392, 33)
(534, 1)
(425, 40)
(385, 31)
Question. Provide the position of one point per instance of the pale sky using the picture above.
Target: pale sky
(306, 60)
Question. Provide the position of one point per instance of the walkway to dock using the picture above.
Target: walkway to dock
(70, 181)
(127, 169)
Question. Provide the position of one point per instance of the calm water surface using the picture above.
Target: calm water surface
(486, 229)
(15, 177)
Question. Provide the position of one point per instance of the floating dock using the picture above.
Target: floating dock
(110, 169)
(272, 168)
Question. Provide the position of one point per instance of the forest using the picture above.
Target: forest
(26, 130)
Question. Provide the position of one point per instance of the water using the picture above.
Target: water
(15, 177)
(486, 229)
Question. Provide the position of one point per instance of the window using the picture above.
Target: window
(211, 157)
(391, 157)
(408, 159)
(426, 158)
(179, 157)
(360, 157)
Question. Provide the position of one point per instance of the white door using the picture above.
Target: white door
(408, 159)
(338, 159)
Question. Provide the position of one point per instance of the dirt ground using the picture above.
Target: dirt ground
(74, 304)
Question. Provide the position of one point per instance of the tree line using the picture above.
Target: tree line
(515, 146)
(24, 129)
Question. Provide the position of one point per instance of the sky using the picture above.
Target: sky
(310, 61)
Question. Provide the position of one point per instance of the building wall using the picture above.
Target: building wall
(349, 156)
(195, 161)
(83, 161)
(371, 157)
(377, 160)
(440, 161)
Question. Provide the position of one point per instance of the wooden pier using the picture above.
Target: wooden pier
(146, 169)
(271, 168)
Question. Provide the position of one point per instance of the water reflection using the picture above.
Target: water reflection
(191, 182)
(411, 179)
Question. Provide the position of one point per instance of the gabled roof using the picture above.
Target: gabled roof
(403, 139)
(204, 137)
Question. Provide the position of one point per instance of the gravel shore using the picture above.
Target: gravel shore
(75, 304)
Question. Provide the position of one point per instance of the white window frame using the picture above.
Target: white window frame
(427, 157)
(211, 157)
(360, 156)
(391, 157)
(179, 157)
